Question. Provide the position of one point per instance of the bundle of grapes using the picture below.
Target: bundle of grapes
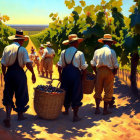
(88, 83)
(48, 101)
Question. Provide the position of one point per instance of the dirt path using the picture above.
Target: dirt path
(122, 124)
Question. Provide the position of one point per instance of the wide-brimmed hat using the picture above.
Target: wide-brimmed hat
(41, 46)
(48, 44)
(72, 38)
(19, 35)
(107, 37)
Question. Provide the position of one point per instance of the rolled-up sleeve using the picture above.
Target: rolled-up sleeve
(114, 60)
(93, 61)
(61, 60)
(84, 64)
(26, 58)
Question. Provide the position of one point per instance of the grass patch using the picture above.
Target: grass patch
(35, 42)
(56, 58)
(25, 43)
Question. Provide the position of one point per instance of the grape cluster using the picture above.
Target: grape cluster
(49, 89)
(89, 77)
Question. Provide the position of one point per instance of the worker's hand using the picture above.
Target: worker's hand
(33, 78)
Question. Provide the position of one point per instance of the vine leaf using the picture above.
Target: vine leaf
(83, 3)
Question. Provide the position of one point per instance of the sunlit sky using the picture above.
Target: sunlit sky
(37, 11)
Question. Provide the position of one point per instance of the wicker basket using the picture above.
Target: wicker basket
(48, 106)
(88, 85)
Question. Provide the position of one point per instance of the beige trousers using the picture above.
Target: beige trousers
(41, 65)
(48, 65)
(104, 81)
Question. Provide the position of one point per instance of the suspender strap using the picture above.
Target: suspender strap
(71, 59)
(17, 54)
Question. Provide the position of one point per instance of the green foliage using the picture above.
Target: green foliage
(5, 31)
(135, 21)
(90, 22)
(101, 18)
(70, 3)
(118, 20)
(36, 42)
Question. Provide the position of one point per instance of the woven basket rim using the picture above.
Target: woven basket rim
(50, 93)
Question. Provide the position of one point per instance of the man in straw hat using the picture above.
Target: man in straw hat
(41, 50)
(105, 65)
(47, 58)
(13, 59)
(70, 65)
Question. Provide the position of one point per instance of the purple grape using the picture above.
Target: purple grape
(49, 89)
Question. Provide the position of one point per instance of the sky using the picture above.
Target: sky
(38, 11)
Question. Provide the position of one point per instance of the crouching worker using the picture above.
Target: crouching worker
(70, 65)
(47, 59)
(105, 65)
(13, 60)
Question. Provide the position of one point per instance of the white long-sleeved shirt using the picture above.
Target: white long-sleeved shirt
(78, 61)
(10, 53)
(105, 57)
(48, 52)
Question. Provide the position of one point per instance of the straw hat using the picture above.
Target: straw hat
(107, 37)
(48, 44)
(72, 38)
(41, 46)
(19, 35)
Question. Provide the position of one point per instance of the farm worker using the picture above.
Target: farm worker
(32, 55)
(105, 65)
(41, 52)
(14, 58)
(37, 63)
(47, 58)
(71, 64)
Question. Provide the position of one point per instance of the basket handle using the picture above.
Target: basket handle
(57, 84)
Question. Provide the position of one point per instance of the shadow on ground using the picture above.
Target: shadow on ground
(65, 128)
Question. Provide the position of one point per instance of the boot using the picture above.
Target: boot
(105, 111)
(7, 120)
(46, 74)
(76, 118)
(42, 74)
(50, 75)
(97, 111)
(112, 103)
(21, 116)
